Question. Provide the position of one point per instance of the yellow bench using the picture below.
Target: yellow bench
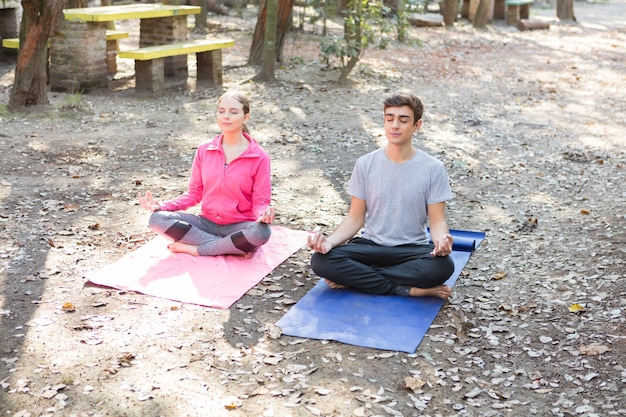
(112, 34)
(150, 61)
(11, 43)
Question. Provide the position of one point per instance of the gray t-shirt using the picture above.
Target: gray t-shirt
(396, 195)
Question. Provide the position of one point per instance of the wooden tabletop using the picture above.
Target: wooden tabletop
(128, 11)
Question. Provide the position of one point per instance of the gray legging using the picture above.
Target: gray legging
(212, 239)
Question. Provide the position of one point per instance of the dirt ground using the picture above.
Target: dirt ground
(531, 128)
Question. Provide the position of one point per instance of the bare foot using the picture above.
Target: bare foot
(441, 291)
(178, 247)
(334, 285)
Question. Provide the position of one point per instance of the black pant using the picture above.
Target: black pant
(364, 265)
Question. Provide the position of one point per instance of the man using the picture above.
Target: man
(396, 191)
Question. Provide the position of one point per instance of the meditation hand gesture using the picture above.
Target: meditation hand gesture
(148, 202)
(267, 216)
(319, 243)
(443, 246)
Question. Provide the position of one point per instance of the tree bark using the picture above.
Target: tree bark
(450, 11)
(482, 14)
(353, 36)
(216, 6)
(266, 73)
(200, 19)
(75, 4)
(41, 19)
(283, 24)
(565, 10)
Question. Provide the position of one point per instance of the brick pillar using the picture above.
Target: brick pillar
(112, 48)
(524, 11)
(209, 67)
(149, 76)
(78, 57)
(8, 23)
(162, 31)
(512, 15)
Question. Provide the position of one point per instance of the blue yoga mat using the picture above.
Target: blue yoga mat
(386, 322)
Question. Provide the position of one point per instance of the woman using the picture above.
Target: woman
(231, 178)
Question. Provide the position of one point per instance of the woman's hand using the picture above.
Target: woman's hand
(267, 216)
(148, 202)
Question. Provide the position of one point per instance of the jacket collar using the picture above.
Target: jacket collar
(253, 150)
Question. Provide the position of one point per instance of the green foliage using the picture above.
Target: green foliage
(365, 25)
(336, 46)
(68, 380)
(323, 9)
(73, 101)
(297, 60)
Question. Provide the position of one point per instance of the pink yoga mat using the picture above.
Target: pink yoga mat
(213, 281)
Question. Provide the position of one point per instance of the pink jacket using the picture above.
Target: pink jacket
(233, 193)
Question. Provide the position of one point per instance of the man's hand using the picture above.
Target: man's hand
(443, 246)
(267, 216)
(148, 202)
(319, 243)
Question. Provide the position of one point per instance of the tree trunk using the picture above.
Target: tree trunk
(40, 20)
(402, 21)
(565, 10)
(353, 36)
(216, 7)
(482, 14)
(200, 19)
(75, 4)
(269, 45)
(283, 24)
(450, 11)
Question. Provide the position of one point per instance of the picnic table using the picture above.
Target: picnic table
(78, 52)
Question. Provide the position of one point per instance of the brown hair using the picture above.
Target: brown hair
(245, 104)
(406, 99)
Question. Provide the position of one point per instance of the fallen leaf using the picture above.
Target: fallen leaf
(576, 308)
(273, 331)
(594, 349)
(323, 391)
(231, 406)
(473, 393)
(499, 275)
(272, 360)
(69, 307)
(414, 384)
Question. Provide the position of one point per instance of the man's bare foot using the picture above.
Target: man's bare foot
(178, 247)
(334, 285)
(441, 291)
